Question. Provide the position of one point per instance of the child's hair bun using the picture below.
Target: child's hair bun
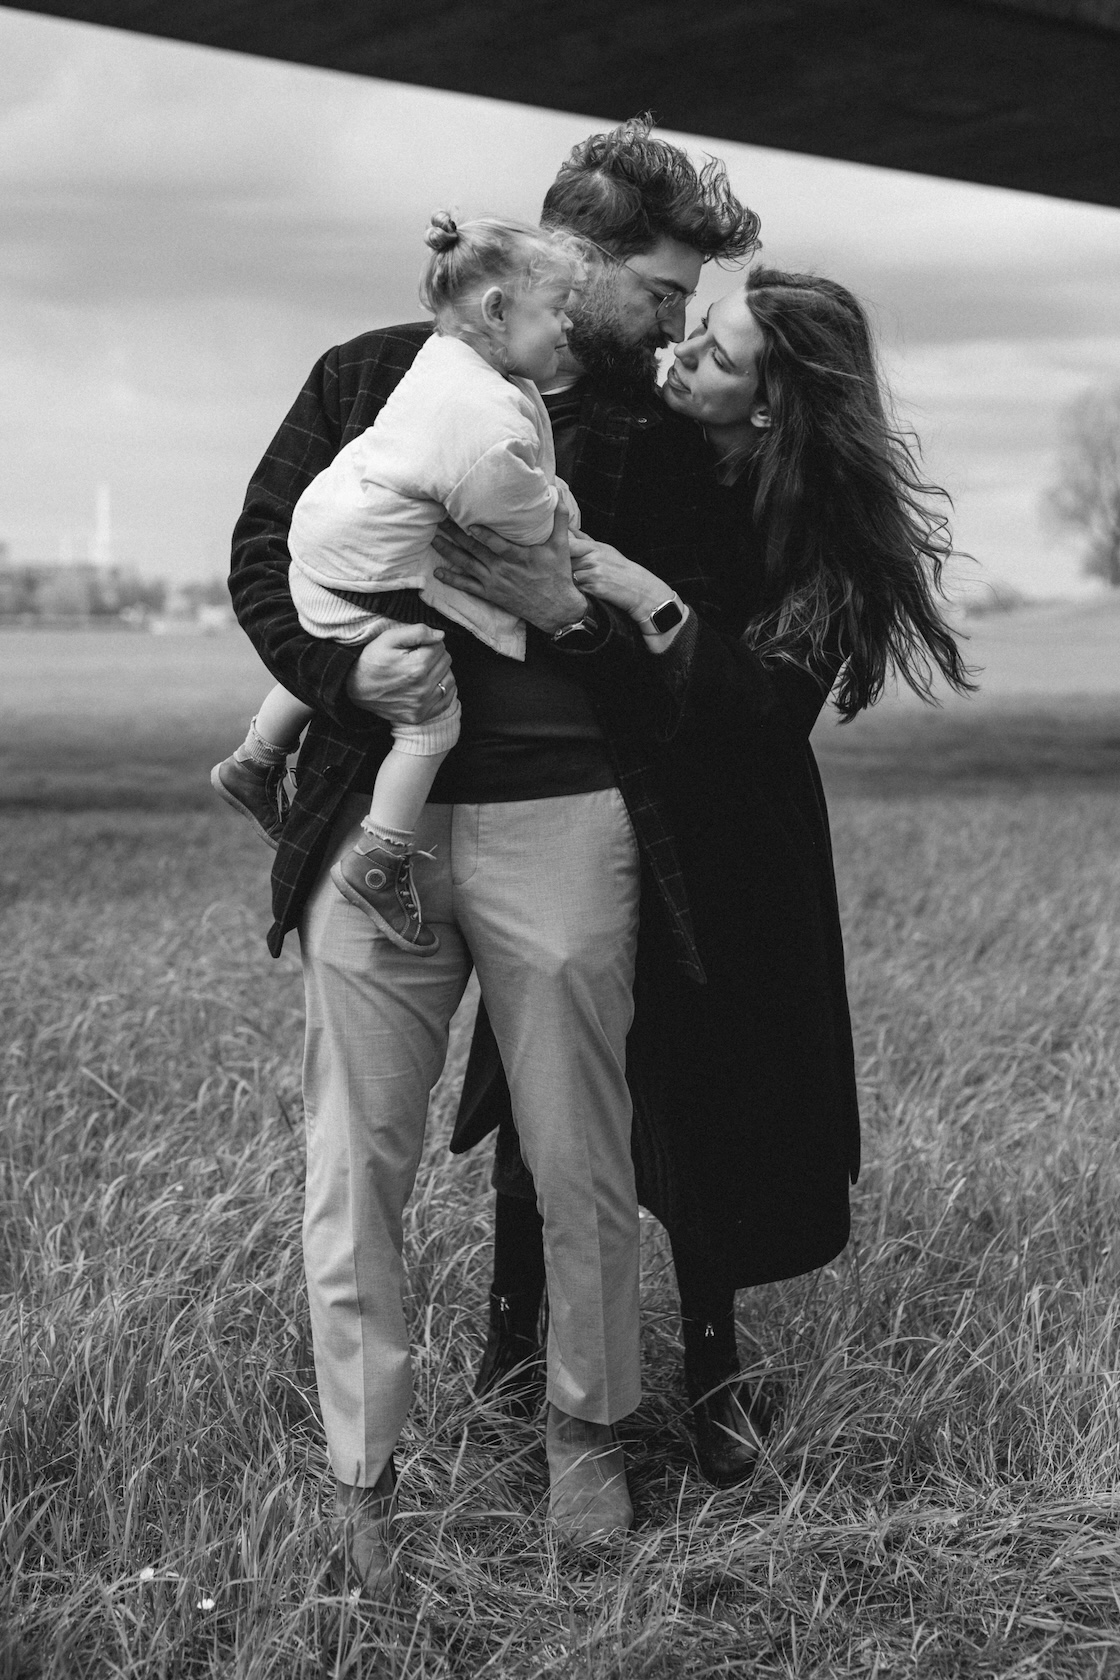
(442, 232)
(465, 258)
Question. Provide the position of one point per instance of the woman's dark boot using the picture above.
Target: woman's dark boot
(513, 1363)
(730, 1415)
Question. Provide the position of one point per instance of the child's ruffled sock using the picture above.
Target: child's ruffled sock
(399, 838)
(254, 749)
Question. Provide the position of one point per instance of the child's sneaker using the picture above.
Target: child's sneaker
(256, 791)
(377, 877)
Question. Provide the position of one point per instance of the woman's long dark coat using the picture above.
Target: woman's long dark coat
(746, 1129)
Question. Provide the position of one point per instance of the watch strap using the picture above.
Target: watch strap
(579, 631)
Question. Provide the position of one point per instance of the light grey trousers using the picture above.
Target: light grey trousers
(541, 896)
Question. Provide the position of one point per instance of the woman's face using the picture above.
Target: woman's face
(714, 376)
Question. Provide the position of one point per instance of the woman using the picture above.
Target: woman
(746, 1132)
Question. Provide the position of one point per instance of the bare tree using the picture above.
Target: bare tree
(1086, 493)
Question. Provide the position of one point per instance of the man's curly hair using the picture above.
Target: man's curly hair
(624, 191)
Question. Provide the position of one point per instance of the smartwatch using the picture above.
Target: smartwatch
(665, 617)
(579, 637)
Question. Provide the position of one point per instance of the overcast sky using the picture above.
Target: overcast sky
(183, 231)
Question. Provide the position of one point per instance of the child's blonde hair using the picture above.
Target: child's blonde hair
(468, 257)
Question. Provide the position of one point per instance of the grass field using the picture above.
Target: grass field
(942, 1496)
(96, 719)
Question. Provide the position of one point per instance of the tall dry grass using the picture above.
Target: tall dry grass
(941, 1495)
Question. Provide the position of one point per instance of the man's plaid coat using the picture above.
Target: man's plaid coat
(639, 475)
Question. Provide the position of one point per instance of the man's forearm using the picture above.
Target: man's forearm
(315, 671)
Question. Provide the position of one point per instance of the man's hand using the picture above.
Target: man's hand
(399, 674)
(532, 583)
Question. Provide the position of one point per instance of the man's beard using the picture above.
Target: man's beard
(597, 343)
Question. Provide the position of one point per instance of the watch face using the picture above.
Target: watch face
(666, 617)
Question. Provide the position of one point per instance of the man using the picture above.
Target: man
(533, 821)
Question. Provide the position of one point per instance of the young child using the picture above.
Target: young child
(464, 433)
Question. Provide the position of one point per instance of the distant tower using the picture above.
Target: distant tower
(101, 547)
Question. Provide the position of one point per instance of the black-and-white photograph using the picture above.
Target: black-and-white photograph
(560, 884)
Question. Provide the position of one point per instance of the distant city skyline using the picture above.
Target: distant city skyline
(91, 544)
(183, 231)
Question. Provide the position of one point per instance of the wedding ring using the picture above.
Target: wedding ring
(442, 686)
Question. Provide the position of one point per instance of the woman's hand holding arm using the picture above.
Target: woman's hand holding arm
(601, 571)
(719, 674)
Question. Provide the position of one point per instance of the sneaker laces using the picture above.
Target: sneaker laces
(276, 790)
(405, 889)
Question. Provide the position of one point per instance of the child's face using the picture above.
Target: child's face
(536, 330)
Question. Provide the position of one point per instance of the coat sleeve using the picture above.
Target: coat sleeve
(717, 680)
(308, 440)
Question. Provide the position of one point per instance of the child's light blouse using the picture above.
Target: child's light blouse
(455, 435)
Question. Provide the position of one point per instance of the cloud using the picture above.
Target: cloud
(183, 231)
(131, 168)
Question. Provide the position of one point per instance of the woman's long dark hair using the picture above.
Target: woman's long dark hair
(847, 533)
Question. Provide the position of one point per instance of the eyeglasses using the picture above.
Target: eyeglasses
(667, 303)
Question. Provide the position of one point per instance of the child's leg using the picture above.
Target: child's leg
(281, 721)
(407, 772)
(376, 875)
(401, 791)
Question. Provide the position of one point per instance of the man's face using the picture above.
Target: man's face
(629, 309)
